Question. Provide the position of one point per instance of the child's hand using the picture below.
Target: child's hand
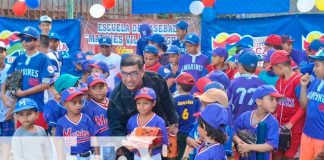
(193, 143)
(243, 148)
(232, 65)
(304, 80)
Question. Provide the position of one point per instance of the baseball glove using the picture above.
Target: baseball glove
(247, 137)
(14, 82)
(284, 138)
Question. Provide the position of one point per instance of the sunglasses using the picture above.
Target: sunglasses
(27, 39)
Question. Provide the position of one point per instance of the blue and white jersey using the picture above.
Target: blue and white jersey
(36, 69)
(211, 152)
(194, 64)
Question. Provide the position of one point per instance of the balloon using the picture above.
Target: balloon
(234, 38)
(97, 10)
(32, 3)
(19, 8)
(209, 14)
(305, 5)
(208, 3)
(313, 35)
(221, 37)
(196, 7)
(319, 4)
(108, 3)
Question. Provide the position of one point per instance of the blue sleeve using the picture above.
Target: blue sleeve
(197, 105)
(238, 124)
(193, 131)
(229, 92)
(59, 130)
(164, 72)
(92, 127)
(273, 134)
(164, 132)
(180, 63)
(13, 66)
(297, 91)
(47, 70)
(129, 128)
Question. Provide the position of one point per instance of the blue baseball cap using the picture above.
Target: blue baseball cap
(220, 77)
(208, 115)
(25, 104)
(83, 86)
(220, 51)
(69, 93)
(78, 57)
(266, 58)
(54, 35)
(319, 55)
(30, 31)
(96, 78)
(264, 90)
(248, 58)
(145, 30)
(151, 49)
(157, 38)
(105, 41)
(100, 65)
(86, 65)
(215, 85)
(182, 25)
(192, 38)
(316, 45)
(145, 92)
(173, 49)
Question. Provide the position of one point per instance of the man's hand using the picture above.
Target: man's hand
(304, 80)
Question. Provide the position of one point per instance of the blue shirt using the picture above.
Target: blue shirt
(36, 69)
(68, 66)
(53, 111)
(141, 43)
(99, 116)
(314, 122)
(244, 122)
(212, 152)
(173, 86)
(181, 45)
(83, 130)
(186, 106)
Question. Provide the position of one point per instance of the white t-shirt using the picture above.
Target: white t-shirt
(113, 62)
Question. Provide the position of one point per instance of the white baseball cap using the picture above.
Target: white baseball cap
(2, 45)
(45, 18)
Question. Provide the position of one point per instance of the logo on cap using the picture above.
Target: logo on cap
(26, 29)
(22, 102)
(71, 90)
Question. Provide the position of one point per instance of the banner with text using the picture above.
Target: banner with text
(124, 33)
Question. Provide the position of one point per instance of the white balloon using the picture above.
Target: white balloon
(97, 10)
(196, 7)
(305, 5)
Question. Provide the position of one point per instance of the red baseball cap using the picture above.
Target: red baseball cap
(278, 56)
(201, 83)
(185, 78)
(274, 40)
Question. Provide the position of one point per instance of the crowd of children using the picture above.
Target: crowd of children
(218, 100)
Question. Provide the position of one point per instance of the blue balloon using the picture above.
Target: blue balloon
(32, 3)
(208, 14)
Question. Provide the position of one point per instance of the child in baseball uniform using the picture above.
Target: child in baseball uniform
(211, 130)
(99, 67)
(145, 101)
(75, 124)
(266, 99)
(25, 147)
(312, 97)
(289, 113)
(241, 88)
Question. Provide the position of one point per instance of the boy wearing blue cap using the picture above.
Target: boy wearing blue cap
(100, 67)
(76, 124)
(218, 59)
(193, 62)
(145, 31)
(241, 88)
(181, 31)
(261, 124)
(54, 43)
(151, 62)
(26, 111)
(211, 130)
(145, 101)
(77, 59)
(36, 69)
(160, 43)
(311, 98)
(173, 53)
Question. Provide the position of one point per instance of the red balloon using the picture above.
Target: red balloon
(208, 3)
(19, 8)
(233, 39)
(108, 3)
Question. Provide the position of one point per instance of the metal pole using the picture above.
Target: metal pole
(70, 9)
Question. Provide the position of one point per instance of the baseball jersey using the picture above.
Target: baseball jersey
(244, 122)
(193, 64)
(113, 62)
(181, 45)
(36, 69)
(3, 109)
(68, 66)
(155, 121)
(54, 62)
(288, 106)
(314, 122)
(98, 114)
(240, 93)
(159, 69)
(11, 58)
(172, 75)
(83, 130)
(53, 111)
(186, 106)
(211, 152)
